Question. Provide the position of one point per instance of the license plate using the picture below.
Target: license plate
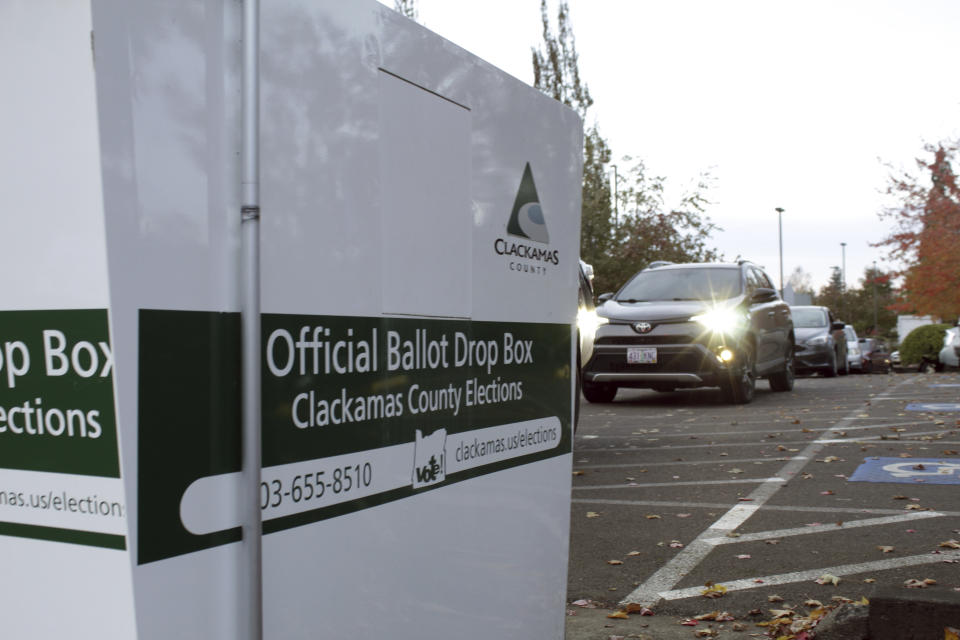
(641, 355)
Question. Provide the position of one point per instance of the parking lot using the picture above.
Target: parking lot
(851, 481)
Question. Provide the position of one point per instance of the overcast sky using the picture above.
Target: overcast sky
(788, 104)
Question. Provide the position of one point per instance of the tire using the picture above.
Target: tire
(925, 366)
(599, 393)
(742, 384)
(831, 370)
(783, 379)
(576, 400)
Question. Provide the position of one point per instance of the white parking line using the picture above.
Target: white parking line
(659, 435)
(726, 505)
(825, 528)
(813, 574)
(685, 483)
(673, 463)
(650, 592)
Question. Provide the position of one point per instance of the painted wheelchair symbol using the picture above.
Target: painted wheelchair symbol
(912, 469)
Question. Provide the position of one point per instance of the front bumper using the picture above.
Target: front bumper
(808, 358)
(685, 357)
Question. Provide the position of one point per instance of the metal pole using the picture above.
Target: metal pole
(616, 198)
(779, 211)
(252, 543)
(875, 323)
(843, 268)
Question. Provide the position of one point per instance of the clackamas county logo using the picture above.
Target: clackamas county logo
(527, 222)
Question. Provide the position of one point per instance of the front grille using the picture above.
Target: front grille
(644, 340)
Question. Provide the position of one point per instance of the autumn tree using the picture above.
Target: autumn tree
(556, 73)
(648, 229)
(407, 8)
(832, 295)
(926, 234)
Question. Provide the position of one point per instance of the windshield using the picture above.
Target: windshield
(706, 283)
(808, 318)
(851, 334)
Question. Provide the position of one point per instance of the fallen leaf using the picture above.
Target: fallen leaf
(578, 473)
(782, 613)
(676, 544)
(593, 514)
(772, 541)
(735, 470)
(813, 603)
(869, 580)
(684, 515)
(689, 622)
(633, 607)
(714, 591)
(619, 615)
(581, 603)
(830, 459)
(653, 516)
(913, 583)
(774, 598)
(950, 544)
(885, 549)
(614, 562)
(828, 578)
(828, 492)
(704, 633)
(743, 556)
(634, 553)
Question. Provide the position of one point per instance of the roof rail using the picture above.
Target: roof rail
(657, 263)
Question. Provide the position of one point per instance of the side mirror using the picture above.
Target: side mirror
(837, 326)
(763, 294)
(603, 297)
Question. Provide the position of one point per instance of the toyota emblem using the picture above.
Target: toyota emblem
(642, 327)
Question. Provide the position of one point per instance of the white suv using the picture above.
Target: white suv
(854, 358)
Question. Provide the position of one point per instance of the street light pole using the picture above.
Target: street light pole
(779, 211)
(843, 269)
(616, 198)
(875, 327)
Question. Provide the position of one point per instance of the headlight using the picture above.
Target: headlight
(720, 320)
(818, 341)
(855, 351)
(588, 322)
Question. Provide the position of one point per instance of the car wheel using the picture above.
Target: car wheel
(783, 379)
(740, 386)
(831, 370)
(925, 366)
(576, 400)
(599, 393)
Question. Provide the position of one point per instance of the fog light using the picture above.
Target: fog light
(726, 355)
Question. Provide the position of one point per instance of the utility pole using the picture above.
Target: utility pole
(875, 327)
(616, 198)
(779, 211)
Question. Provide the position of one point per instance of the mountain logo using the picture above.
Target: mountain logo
(526, 219)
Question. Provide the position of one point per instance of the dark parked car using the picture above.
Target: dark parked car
(692, 325)
(821, 342)
(875, 355)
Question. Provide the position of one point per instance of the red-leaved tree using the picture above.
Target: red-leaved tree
(926, 235)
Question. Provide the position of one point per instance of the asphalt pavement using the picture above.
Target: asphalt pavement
(686, 507)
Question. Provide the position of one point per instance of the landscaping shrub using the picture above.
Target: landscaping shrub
(923, 343)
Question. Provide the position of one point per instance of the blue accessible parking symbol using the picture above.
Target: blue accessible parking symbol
(899, 470)
(934, 406)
